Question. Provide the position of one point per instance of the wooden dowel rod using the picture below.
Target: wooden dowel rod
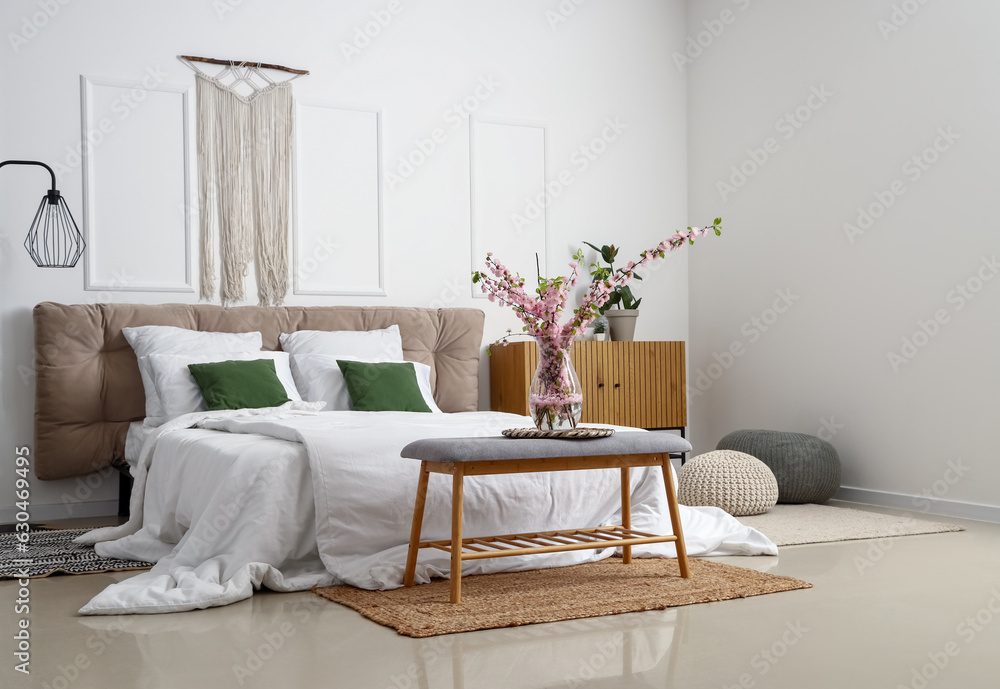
(519, 542)
(643, 534)
(263, 65)
(578, 537)
(567, 546)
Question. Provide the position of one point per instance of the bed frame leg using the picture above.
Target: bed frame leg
(124, 491)
(416, 525)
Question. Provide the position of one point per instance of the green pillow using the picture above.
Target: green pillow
(239, 384)
(387, 386)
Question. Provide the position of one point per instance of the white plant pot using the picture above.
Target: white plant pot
(622, 323)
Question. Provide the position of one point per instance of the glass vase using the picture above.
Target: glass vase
(555, 398)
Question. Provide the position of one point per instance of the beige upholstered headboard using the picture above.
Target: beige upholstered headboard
(88, 387)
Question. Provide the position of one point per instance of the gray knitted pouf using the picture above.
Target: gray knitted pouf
(732, 481)
(807, 468)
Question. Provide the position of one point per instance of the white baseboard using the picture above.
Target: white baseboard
(62, 510)
(917, 503)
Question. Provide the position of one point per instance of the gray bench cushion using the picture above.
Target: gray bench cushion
(500, 447)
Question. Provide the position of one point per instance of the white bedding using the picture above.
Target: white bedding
(135, 438)
(290, 499)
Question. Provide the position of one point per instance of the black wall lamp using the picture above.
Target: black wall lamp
(53, 241)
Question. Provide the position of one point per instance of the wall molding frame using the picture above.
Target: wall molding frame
(476, 252)
(89, 150)
(297, 208)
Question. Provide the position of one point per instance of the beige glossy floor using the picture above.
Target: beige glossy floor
(880, 615)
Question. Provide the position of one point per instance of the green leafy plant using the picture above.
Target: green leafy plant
(621, 295)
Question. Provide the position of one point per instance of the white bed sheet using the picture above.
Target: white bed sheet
(135, 438)
(226, 513)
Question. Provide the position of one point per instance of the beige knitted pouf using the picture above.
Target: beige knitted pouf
(732, 481)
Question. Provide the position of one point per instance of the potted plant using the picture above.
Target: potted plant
(601, 329)
(622, 308)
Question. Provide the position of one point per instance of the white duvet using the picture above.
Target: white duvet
(289, 499)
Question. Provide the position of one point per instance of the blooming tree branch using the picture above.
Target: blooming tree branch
(542, 311)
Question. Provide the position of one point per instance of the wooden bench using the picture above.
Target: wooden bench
(486, 456)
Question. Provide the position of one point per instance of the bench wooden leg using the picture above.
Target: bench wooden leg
(456, 533)
(626, 512)
(675, 517)
(416, 525)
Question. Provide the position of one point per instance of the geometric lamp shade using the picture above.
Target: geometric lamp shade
(54, 241)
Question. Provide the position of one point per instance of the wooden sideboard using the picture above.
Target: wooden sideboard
(639, 384)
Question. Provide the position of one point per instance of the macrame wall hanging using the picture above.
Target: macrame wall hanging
(245, 139)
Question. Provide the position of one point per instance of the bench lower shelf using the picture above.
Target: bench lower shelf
(511, 545)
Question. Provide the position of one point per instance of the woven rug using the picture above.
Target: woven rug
(512, 599)
(802, 524)
(48, 552)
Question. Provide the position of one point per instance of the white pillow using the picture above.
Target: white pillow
(179, 392)
(360, 345)
(320, 379)
(165, 339)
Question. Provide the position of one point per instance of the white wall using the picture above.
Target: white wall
(608, 59)
(898, 424)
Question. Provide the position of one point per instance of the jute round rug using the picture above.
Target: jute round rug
(512, 599)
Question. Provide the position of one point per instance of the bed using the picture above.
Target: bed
(226, 502)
